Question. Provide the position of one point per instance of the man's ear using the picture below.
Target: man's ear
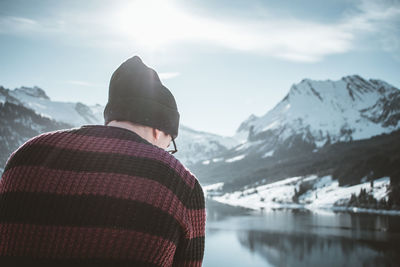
(156, 134)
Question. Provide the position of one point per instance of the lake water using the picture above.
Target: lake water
(236, 237)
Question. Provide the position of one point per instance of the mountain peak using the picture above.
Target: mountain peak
(244, 126)
(353, 77)
(32, 91)
(351, 108)
(352, 88)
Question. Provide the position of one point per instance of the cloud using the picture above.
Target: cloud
(9, 24)
(293, 39)
(380, 20)
(287, 38)
(168, 75)
(27, 26)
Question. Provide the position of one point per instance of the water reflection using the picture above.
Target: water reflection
(236, 237)
(279, 249)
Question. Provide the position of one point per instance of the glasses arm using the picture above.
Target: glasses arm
(173, 151)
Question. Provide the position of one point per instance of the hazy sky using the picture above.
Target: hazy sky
(223, 60)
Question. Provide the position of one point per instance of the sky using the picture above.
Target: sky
(223, 60)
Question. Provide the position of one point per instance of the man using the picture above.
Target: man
(105, 195)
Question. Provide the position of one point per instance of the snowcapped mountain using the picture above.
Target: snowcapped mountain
(193, 145)
(324, 112)
(75, 114)
(298, 135)
(18, 124)
(326, 145)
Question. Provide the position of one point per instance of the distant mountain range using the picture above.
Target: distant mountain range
(346, 129)
(35, 98)
(26, 112)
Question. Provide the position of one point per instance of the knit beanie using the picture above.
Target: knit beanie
(136, 94)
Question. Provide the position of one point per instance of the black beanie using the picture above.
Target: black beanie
(136, 94)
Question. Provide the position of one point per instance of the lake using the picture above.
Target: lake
(238, 237)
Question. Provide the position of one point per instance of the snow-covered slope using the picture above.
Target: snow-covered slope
(195, 146)
(76, 114)
(324, 193)
(321, 112)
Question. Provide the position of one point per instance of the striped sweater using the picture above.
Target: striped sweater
(99, 196)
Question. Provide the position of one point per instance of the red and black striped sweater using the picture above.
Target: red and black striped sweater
(99, 196)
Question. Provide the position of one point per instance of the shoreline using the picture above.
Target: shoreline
(321, 195)
(312, 208)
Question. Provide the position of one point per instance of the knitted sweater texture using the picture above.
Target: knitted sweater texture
(99, 196)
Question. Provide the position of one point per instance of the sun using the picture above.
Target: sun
(152, 23)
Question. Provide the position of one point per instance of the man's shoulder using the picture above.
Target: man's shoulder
(44, 136)
(183, 171)
(172, 167)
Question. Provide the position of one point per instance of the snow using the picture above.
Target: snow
(326, 108)
(34, 91)
(212, 189)
(241, 136)
(208, 189)
(325, 192)
(330, 192)
(216, 186)
(268, 154)
(273, 124)
(208, 161)
(60, 111)
(240, 157)
(197, 146)
(97, 111)
(239, 147)
(247, 145)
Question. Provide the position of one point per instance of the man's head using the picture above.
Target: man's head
(137, 95)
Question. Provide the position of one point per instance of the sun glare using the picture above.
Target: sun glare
(151, 23)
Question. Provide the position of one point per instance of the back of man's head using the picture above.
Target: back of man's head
(136, 94)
